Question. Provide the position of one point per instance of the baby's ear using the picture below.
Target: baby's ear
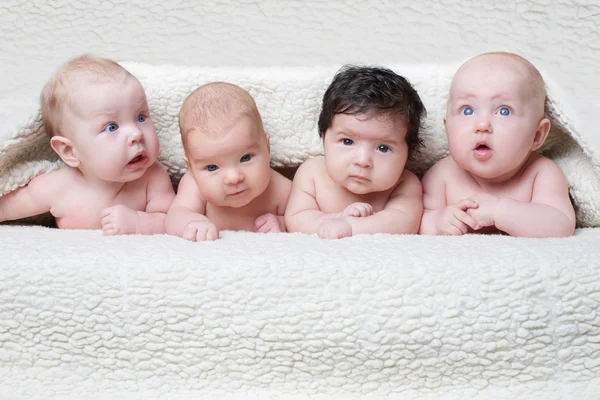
(187, 161)
(541, 134)
(65, 150)
(268, 141)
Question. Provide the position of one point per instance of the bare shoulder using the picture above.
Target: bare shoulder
(408, 185)
(311, 168)
(540, 164)
(60, 181)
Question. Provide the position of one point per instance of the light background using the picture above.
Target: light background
(561, 37)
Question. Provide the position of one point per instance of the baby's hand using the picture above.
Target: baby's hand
(334, 228)
(358, 210)
(454, 220)
(269, 223)
(198, 231)
(484, 214)
(119, 220)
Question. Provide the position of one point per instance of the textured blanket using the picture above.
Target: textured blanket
(291, 316)
(289, 101)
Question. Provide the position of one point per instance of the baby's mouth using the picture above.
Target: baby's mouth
(136, 159)
(482, 147)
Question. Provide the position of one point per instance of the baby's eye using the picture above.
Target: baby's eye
(211, 168)
(504, 111)
(141, 118)
(383, 148)
(111, 127)
(467, 111)
(245, 158)
(347, 142)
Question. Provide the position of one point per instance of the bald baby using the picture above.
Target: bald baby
(494, 181)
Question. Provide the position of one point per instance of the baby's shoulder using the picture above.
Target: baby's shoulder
(311, 168)
(443, 168)
(540, 164)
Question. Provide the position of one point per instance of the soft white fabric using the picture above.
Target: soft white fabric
(289, 101)
(290, 315)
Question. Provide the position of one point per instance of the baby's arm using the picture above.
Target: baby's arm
(439, 217)
(36, 198)
(122, 220)
(160, 195)
(186, 215)
(302, 213)
(402, 213)
(549, 214)
(270, 222)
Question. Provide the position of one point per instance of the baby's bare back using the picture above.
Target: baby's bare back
(81, 204)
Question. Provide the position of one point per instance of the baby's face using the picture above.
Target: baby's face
(491, 118)
(111, 130)
(365, 153)
(233, 169)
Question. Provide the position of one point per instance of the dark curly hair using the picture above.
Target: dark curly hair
(357, 90)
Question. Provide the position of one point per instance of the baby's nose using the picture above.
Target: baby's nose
(234, 177)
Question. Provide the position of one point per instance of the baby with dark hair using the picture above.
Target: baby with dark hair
(370, 122)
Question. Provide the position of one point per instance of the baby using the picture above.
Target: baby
(494, 181)
(96, 115)
(229, 184)
(369, 122)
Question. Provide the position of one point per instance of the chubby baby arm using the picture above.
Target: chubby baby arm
(549, 214)
(402, 213)
(122, 220)
(439, 217)
(275, 222)
(185, 217)
(302, 213)
(37, 197)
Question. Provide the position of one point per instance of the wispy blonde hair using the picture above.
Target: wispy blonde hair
(55, 94)
(214, 107)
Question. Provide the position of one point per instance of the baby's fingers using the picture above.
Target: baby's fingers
(190, 234)
(208, 233)
(466, 204)
(467, 220)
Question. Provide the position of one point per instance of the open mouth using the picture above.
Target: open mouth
(482, 151)
(137, 161)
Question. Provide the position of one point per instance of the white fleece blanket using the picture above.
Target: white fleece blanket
(289, 101)
(293, 316)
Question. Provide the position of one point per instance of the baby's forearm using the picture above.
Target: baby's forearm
(151, 223)
(178, 218)
(307, 221)
(21, 203)
(532, 219)
(386, 221)
(428, 222)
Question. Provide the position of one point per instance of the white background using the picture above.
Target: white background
(560, 37)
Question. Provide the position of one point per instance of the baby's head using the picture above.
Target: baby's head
(495, 115)
(370, 122)
(96, 115)
(226, 148)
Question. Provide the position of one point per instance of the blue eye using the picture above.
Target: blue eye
(211, 168)
(245, 158)
(111, 127)
(347, 142)
(141, 118)
(504, 111)
(383, 148)
(467, 111)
